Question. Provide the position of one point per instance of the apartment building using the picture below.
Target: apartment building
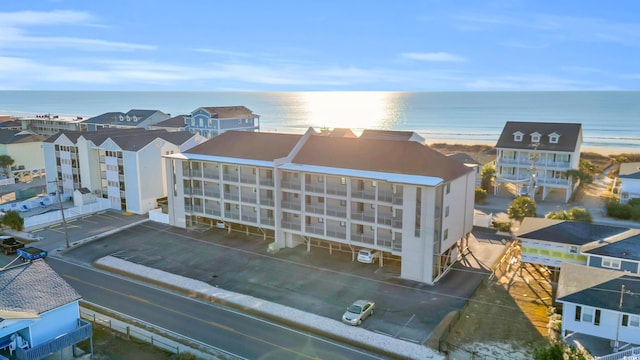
(49, 124)
(398, 196)
(122, 165)
(24, 147)
(535, 156)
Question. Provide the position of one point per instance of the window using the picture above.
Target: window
(587, 315)
(578, 313)
(596, 321)
(535, 138)
(448, 188)
(445, 234)
(573, 249)
(517, 136)
(446, 211)
(343, 181)
(553, 139)
(611, 263)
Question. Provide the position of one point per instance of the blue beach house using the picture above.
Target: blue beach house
(212, 121)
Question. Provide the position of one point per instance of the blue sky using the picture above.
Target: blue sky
(410, 45)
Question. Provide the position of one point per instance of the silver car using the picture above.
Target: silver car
(358, 311)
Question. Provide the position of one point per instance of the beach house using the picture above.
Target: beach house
(600, 302)
(135, 118)
(39, 312)
(534, 156)
(24, 147)
(332, 190)
(122, 165)
(630, 176)
(210, 121)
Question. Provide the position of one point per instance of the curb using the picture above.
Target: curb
(101, 235)
(380, 344)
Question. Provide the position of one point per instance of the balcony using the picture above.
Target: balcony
(340, 190)
(314, 208)
(267, 221)
(212, 193)
(228, 195)
(512, 177)
(198, 209)
(211, 174)
(82, 332)
(338, 233)
(291, 184)
(552, 182)
(266, 182)
(315, 229)
(215, 211)
(291, 204)
(340, 212)
(396, 223)
(385, 196)
(363, 216)
(232, 214)
(291, 224)
(251, 217)
(266, 201)
(521, 161)
(314, 187)
(369, 194)
(247, 178)
(250, 198)
(554, 165)
(397, 199)
(230, 176)
(363, 238)
(384, 219)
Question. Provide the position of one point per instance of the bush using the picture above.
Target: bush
(521, 208)
(504, 226)
(575, 214)
(13, 220)
(480, 195)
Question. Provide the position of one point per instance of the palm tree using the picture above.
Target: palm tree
(5, 163)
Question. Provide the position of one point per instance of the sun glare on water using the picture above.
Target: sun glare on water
(352, 110)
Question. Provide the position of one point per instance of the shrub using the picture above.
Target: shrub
(13, 220)
(480, 195)
(575, 214)
(504, 226)
(521, 208)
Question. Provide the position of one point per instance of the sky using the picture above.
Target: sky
(322, 45)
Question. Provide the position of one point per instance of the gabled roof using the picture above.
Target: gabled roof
(34, 287)
(622, 246)
(248, 145)
(19, 137)
(398, 157)
(337, 132)
(132, 139)
(565, 232)
(106, 118)
(12, 124)
(141, 114)
(599, 288)
(174, 122)
(229, 112)
(630, 170)
(390, 135)
(96, 136)
(570, 135)
(464, 158)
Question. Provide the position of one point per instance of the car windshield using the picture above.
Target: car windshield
(364, 253)
(356, 309)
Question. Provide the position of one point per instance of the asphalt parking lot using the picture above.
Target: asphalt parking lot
(315, 281)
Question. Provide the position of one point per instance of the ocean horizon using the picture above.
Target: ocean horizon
(609, 118)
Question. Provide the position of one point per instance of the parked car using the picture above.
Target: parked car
(368, 256)
(358, 311)
(10, 245)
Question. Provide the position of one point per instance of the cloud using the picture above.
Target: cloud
(527, 82)
(14, 30)
(524, 45)
(433, 56)
(222, 52)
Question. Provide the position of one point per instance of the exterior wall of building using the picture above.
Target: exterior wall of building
(155, 118)
(29, 155)
(625, 265)
(630, 189)
(61, 163)
(550, 254)
(54, 323)
(50, 165)
(609, 327)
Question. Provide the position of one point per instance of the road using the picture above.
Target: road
(244, 335)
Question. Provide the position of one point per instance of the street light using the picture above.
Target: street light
(64, 221)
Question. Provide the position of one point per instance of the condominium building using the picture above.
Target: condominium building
(24, 147)
(536, 155)
(49, 124)
(394, 195)
(134, 118)
(122, 165)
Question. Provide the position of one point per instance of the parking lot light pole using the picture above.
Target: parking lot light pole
(64, 221)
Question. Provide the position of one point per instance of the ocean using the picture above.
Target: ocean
(608, 118)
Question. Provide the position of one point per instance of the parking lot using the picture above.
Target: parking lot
(315, 281)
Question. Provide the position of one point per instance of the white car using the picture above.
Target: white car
(368, 256)
(358, 311)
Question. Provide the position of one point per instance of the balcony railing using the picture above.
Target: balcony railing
(363, 238)
(212, 193)
(198, 209)
(397, 199)
(231, 196)
(385, 219)
(266, 201)
(340, 190)
(314, 208)
(247, 178)
(250, 217)
(396, 224)
(564, 182)
(230, 176)
(232, 214)
(291, 184)
(337, 212)
(266, 181)
(211, 174)
(337, 233)
(291, 224)
(212, 211)
(363, 216)
(267, 221)
(40, 351)
(252, 199)
(291, 204)
(314, 187)
(385, 196)
(318, 230)
(518, 161)
(369, 194)
(513, 176)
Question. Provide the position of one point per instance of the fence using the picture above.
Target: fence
(158, 337)
(55, 216)
(158, 216)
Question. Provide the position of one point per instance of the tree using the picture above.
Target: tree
(480, 195)
(6, 162)
(487, 174)
(574, 214)
(585, 172)
(521, 208)
(13, 220)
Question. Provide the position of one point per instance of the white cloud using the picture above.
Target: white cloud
(433, 56)
(41, 18)
(222, 52)
(527, 82)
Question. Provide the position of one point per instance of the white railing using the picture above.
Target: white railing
(631, 354)
(158, 216)
(70, 213)
(9, 181)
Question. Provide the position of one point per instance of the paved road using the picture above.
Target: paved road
(237, 333)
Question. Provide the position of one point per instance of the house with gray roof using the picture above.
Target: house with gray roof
(135, 118)
(630, 177)
(210, 121)
(388, 193)
(24, 147)
(176, 123)
(39, 312)
(121, 166)
(538, 155)
(600, 302)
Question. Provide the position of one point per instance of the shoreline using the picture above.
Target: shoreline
(602, 150)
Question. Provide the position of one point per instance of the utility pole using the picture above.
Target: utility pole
(64, 221)
(533, 169)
